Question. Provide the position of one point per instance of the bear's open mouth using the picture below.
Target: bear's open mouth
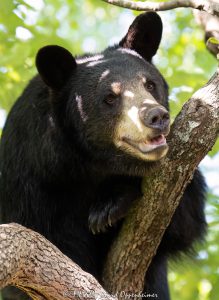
(147, 145)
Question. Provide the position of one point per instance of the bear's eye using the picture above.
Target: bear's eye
(150, 86)
(110, 99)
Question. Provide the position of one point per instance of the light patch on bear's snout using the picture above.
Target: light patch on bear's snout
(149, 101)
(79, 101)
(128, 94)
(134, 116)
(137, 140)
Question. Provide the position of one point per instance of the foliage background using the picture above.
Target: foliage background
(89, 26)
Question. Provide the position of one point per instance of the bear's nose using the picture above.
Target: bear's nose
(156, 117)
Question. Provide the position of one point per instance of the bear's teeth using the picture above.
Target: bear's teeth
(152, 144)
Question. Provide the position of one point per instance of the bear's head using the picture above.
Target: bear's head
(116, 101)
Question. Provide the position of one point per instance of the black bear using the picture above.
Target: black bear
(77, 143)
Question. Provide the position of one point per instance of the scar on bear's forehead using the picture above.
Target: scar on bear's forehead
(104, 74)
(88, 59)
(141, 77)
(130, 51)
(116, 87)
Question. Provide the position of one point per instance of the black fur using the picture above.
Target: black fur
(61, 173)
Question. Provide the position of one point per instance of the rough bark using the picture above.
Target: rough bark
(31, 263)
(209, 6)
(193, 134)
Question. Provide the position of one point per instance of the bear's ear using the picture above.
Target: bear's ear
(55, 65)
(144, 35)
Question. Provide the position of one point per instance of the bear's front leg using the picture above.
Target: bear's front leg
(114, 197)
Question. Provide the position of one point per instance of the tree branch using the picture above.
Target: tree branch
(209, 6)
(210, 24)
(193, 134)
(31, 263)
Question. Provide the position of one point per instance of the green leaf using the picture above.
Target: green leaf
(213, 40)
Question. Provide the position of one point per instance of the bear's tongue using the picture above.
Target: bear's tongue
(157, 141)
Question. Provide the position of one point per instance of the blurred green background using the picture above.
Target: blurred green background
(89, 26)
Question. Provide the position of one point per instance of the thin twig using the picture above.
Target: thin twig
(210, 6)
